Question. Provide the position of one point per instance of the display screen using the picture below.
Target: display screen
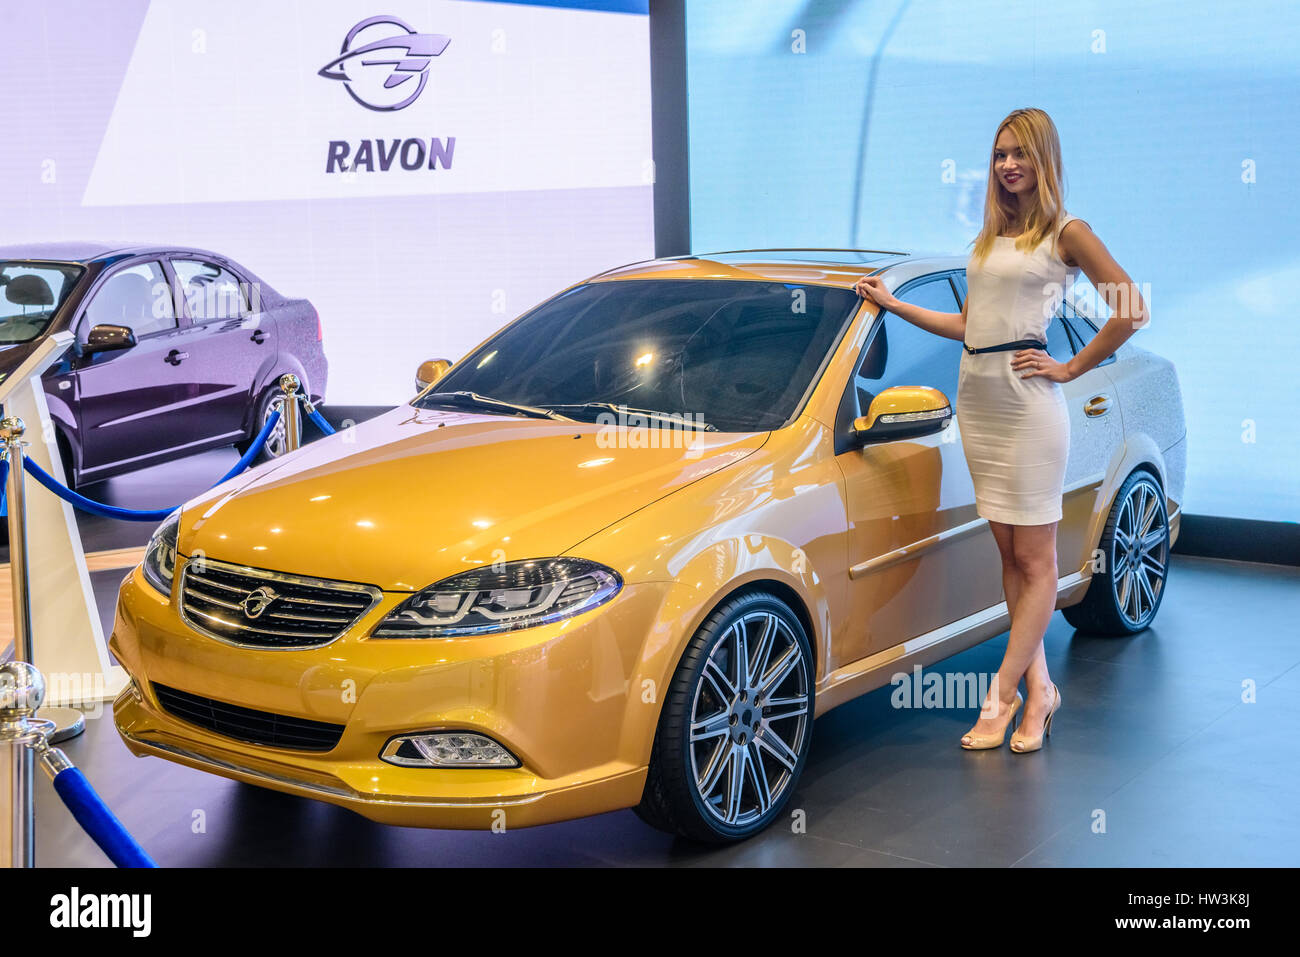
(864, 124)
(422, 171)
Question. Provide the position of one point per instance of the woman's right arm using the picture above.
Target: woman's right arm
(950, 325)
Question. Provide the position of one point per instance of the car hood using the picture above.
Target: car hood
(410, 497)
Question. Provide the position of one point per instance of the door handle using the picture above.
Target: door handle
(1098, 405)
(176, 357)
(258, 336)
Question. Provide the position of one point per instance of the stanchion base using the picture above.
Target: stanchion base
(68, 722)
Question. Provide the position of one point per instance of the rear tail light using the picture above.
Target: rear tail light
(320, 332)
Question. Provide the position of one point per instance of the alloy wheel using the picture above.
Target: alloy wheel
(749, 718)
(277, 442)
(1140, 553)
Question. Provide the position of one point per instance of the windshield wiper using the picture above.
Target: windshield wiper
(475, 401)
(619, 410)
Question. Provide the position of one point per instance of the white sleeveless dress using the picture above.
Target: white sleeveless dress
(1015, 432)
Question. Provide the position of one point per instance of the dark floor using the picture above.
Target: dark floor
(1153, 741)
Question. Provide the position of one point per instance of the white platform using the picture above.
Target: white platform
(67, 637)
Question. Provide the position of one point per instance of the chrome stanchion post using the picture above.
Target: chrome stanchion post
(11, 431)
(68, 722)
(22, 689)
(290, 412)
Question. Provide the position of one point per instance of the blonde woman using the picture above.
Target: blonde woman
(1010, 408)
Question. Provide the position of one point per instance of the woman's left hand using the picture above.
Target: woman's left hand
(1032, 362)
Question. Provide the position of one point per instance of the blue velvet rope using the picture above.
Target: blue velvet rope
(142, 515)
(89, 505)
(98, 821)
(254, 449)
(4, 487)
(320, 422)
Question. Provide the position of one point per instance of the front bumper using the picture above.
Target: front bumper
(565, 699)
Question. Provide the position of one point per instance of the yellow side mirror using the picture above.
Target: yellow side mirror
(430, 371)
(903, 412)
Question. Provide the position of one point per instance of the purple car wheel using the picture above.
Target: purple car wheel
(277, 442)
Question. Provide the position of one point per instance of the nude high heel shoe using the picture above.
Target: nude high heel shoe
(981, 742)
(1023, 744)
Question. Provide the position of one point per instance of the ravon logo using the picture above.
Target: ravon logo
(256, 602)
(384, 64)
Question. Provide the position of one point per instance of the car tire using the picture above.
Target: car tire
(275, 443)
(690, 788)
(1125, 595)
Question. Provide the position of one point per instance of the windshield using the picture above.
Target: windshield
(30, 294)
(738, 354)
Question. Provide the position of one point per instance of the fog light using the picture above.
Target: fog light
(447, 749)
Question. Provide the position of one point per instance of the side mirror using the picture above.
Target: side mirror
(106, 338)
(430, 371)
(903, 412)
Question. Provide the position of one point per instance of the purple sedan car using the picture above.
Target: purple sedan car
(177, 350)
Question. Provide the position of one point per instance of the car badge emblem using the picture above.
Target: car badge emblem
(256, 602)
(388, 43)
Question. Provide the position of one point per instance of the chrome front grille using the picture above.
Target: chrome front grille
(256, 608)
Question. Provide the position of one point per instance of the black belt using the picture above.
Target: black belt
(1008, 346)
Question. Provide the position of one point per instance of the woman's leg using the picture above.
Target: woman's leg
(1003, 535)
(993, 713)
(1035, 550)
(1038, 685)
(1029, 580)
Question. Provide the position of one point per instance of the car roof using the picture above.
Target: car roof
(813, 266)
(87, 251)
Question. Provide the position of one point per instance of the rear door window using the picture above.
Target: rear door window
(1081, 329)
(211, 291)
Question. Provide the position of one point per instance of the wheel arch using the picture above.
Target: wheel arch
(681, 602)
(267, 382)
(792, 599)
(1097, 608)
(803, 591)
(1139, 452)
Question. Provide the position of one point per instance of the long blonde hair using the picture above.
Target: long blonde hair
(1036, 133)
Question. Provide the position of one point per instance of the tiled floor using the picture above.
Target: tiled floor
(1155, 759)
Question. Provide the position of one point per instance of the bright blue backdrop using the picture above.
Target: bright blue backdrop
(841, 123)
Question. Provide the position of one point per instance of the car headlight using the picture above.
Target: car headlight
(160, 554)
(505, 597)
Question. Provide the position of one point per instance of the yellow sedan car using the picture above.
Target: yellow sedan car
(624, 552)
